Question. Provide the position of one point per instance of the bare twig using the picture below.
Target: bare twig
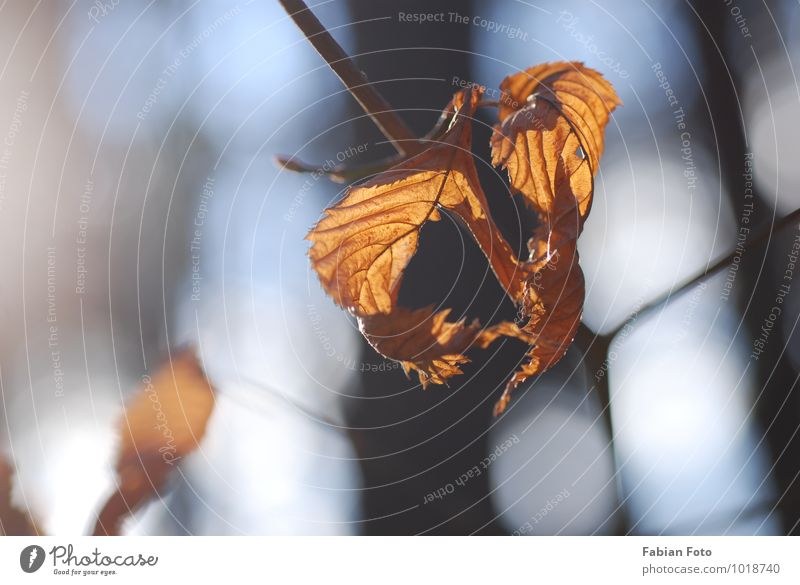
(373, 103)
(759, 238)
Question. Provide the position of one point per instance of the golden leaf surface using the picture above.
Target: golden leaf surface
(551, 147)
(550, 138)
(364, 243)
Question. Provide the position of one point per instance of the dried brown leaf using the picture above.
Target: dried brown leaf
(551, 147)
(364, 243)
(582, 95)
(164, 422)
(422, 340)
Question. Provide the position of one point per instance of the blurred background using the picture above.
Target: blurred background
(140, 210)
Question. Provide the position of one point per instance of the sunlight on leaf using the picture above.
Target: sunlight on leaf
(549, 139)
(551, 147)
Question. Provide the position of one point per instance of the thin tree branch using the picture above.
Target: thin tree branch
(372, 102)
(595, 355)
(752, 244)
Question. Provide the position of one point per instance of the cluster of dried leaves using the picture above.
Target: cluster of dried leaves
(549, 138)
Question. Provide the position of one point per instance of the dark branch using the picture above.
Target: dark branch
(760, 237)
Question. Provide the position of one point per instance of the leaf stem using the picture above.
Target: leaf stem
(341, 173)
(371, 101)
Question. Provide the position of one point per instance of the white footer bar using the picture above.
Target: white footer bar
(410, 561)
